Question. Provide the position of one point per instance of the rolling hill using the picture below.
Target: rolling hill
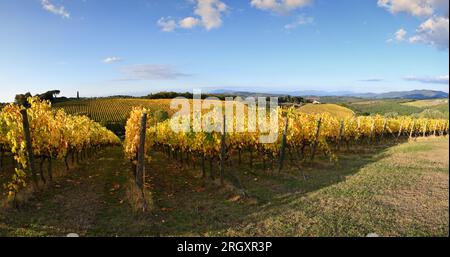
(413, 94)
(333, 109)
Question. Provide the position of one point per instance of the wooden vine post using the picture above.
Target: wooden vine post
(384, 130)
(400, 130)
(435, 128)
(30, 157)
(140, 167)
(222, 152)
(425, 130)
(316, 139)
(412, 129)
(372, 132)
(283, 145)
(341, 134)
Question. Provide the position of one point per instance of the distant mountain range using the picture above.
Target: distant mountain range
(414, 94)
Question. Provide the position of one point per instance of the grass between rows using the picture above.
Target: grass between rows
(392, 191)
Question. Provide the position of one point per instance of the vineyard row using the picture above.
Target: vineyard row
(38, 132)
(297, 133)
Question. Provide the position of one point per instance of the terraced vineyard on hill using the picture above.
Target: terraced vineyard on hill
(395, 106)
(107, 110)
(427, 103)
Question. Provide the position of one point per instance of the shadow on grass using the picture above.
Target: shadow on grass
(91, 199)
(189, 205)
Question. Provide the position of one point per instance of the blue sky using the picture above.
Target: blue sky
(141, 46)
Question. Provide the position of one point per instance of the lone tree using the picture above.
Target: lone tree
(21, 99)
(49, 95)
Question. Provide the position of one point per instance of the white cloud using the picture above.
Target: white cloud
(167, 24)
(301, 20)
(414, 7)
(112, 59)
(61, 11)
(400, 35)
(208, 12)
(280, 6)
(430, 80)
(189, 22)
(434, 32)
(151, 72)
